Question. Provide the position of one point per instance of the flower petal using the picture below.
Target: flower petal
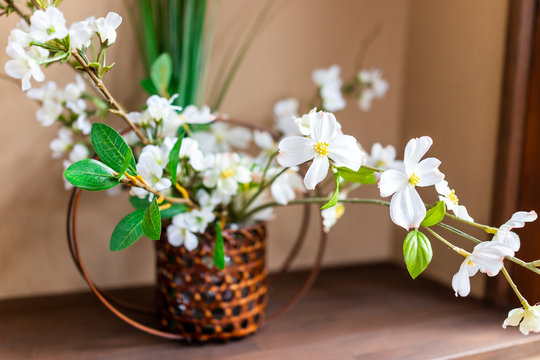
(428, 172)
(416, 148)
(295, 150)
(460, 281)
(344, 150)
(514, 317)
(407, 208)
(316, 172)
(323, 125)
(392, 181)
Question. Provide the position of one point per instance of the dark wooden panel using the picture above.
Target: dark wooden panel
(369, 312)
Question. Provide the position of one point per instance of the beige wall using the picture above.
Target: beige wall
(443, 61)
(455, 53)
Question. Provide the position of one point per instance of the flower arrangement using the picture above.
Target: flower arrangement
(185, 167)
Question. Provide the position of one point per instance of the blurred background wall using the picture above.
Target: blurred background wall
(443, 61)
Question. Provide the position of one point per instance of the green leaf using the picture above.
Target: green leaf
(148, 86)
(127, 160)
(335, 197)
(174, 156)
(128, 231)
(219, 252)
(435, 214)
(139, 203)
(173, 210)
(362, 176)
(91, 175)
(151, 224)
(417, 252)
(161, 73)
(111, 148)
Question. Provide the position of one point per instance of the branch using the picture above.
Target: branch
(117, 109)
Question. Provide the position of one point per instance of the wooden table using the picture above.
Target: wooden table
(364, 312)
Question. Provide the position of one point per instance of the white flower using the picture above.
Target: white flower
(325, 143)
(81, 32)
(46, 91)
(332, 215)
(323, 77)
(160, 155)
(406, 207)
(79, 152)
(106, 27)
(49, 112)
(383, 157)
(374, 87)
(221, 138)
(141, 118)
(332, 98)
(528, 320)
(487, 257)
(48, 25)
(192, 115)
(266, 142)
(152, 173)
(225, 172)
(284, 113)
(190, 149)
(509, 238)
(73, 91)
(62, 143)
(200, 218)
(303, 122)
(451, 200)
(178, 232)
(22, 66)
(20, 37)
(285, 186)
(162, 110)
(207, 200)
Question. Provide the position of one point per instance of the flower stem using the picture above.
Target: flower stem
(116, 108)
(486, 228)
(372, 168)
(446, 242)
(522, 300)
(459, 232)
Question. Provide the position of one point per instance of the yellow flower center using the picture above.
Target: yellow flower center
(470, 263)
(340, 210)
(414, 180)
(321, 147)
(227, 173)
(380, 164)
(453, 197)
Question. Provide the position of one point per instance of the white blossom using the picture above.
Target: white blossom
(329, 82)
(285, 186)
(486, 257)
(192, 115)
(303, 123)
(373, 87)
(152, 173)
(325, 143)
(20, 37)
(106, 27)
(22, 66)
(46, 91)
(406, 207)
(383, 158)
(190, 150)
(224, 172)
(61, 143)
(284, 113)
(451, 200)
(332, 215)
(48, 25)
(221, 138)
(78, 153)
(81, 32)
(527, 319)
(74, 90)
(322, 77)
(178, 232)
(49, 112)
(509, 238)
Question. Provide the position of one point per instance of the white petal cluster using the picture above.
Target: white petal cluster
(373, 87)
(284, 113)
(106, 27)
(48, 24)
(325, 143)
(225, 171)
(487, 257)
(193, 115)
(509, 238)
(383, 158)
(23, 65)
(286, 186)
(329, 82)
(332, 215)
(451, 200)
(527, 319)
(150, 165)
(81, 33)
(406, 207)
(222, 137)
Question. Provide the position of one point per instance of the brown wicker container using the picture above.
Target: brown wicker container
(203, 303)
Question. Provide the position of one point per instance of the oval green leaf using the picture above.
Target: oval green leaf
(161, 73)
(435, 214)
(173, 210)
(91, 175)
(335, 196)
(128, 231)
(151, 224)
(112, 149)
(362, 176)
(417, 252)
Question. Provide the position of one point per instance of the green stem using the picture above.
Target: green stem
(439, 237)
(262, 187)
(317, 200)
(459, 232)
(372, 168)
(486, 228)
(514, 287)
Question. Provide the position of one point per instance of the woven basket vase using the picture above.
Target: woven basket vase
(203, 303)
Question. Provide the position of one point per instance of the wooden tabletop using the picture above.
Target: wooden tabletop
(365, 312)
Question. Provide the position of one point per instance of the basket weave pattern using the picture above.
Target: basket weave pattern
(203, 303)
